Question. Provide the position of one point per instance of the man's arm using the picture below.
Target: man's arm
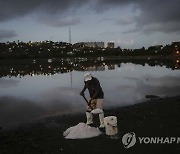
(82, 92)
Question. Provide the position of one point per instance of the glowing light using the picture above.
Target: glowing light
(49, 60)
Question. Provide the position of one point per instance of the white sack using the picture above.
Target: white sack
(81, 131)
(97, 111)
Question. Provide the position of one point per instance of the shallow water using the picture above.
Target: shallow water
(36, 89)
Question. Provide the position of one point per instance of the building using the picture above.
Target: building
(94, 44)
(110, 45)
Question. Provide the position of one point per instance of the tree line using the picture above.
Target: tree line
(50, 49)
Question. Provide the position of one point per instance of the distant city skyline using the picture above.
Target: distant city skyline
(129, 24)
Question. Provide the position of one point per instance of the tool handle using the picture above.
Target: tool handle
(87, 101)
(85, 98)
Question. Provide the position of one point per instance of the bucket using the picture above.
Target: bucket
(111, 125)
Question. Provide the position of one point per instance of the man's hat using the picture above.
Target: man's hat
(87, 76)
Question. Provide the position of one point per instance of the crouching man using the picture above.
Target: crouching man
(96, 98)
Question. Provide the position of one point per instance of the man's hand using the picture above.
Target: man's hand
(89, 103)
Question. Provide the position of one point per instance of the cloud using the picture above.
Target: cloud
(103, 5)
(159, 11)
(137, 88)
(120, 20)
(59, 21)
(124, 20)
(68, 94)
(19, 8)
(7, 34)
(162, 16)
(169, 27)
(153, 16)
(13, 9)
(4, 83)
(125, 42)
(166, 85)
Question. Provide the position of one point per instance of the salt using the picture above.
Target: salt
(81, 131)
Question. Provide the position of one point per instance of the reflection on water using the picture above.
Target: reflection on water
(53, 66)
(36, 88)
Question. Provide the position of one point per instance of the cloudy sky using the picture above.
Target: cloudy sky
(129, 23)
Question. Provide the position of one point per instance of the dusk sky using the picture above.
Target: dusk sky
(129, 23)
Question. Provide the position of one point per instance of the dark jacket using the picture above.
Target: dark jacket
(94, 87)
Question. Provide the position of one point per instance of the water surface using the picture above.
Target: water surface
(37, 89)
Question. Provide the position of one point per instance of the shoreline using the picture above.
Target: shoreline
(123, 57)
(153, 118)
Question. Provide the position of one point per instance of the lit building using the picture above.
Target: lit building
(94, 44)
(110, 45)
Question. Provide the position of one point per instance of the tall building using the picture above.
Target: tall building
(94, 44)
(110, 44)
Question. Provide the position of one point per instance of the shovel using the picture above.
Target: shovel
(85, 99)
(95, 111)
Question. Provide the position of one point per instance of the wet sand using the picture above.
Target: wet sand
(153, 118)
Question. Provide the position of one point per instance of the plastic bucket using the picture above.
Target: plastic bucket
(111, 125)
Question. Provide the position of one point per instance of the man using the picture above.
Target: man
(96, 98)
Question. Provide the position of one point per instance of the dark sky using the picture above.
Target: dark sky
(129, 23)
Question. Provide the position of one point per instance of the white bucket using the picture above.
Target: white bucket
(111, 125)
